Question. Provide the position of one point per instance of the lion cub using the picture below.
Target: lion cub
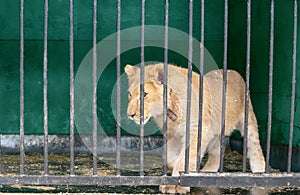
(211, 116)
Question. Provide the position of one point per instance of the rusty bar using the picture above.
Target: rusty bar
(222, 148)
(45, 88)
(118, 142)
(270, 98)
(94, 74)
(247, 91)
(71, 90)
(165, 93)
(200, 87)
(293, 95)
(189, 90)
(142, 74)
(22, 148)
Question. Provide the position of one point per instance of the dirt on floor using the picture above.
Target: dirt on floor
(59, 164)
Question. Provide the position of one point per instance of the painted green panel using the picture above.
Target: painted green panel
(58, 85)
(106, 15)
(9, 20)
(58, 54)
(9, 87)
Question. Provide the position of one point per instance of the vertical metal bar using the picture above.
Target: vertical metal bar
(293, 88)
(200, 87)
(45, 88)
(222, 148)
(270, 99)
(118, 143)
(142, 90)
(165, 93)
(71, 90)
(0, 155)
(247, 91)
(22, 148)
(189, 90)
(95, 88)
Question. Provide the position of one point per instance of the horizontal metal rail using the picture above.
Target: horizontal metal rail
(194, 180)
(240, 180)
(88, 180)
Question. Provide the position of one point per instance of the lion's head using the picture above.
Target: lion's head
(153, 94)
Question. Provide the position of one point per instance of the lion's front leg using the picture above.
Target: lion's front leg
(177, 169)
(178, 164)
(175, 158)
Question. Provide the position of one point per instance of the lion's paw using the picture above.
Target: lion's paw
(257, 163)
(173, 189)
(167, 189)
(182, 190)
(258, 167)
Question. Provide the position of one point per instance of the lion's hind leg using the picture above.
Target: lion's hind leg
(254, 152)
(213, 162)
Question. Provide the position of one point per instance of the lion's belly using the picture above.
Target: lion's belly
(235, 98)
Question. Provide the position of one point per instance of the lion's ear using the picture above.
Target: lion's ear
(131, 70)
(160, 75)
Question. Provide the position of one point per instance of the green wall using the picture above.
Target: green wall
(282, 76)
(58, 53)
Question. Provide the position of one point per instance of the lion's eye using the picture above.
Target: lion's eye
(129, 94)
(145, 94)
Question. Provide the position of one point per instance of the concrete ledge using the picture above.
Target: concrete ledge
(61, 143)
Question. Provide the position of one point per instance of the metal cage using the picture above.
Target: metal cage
(198, 179)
